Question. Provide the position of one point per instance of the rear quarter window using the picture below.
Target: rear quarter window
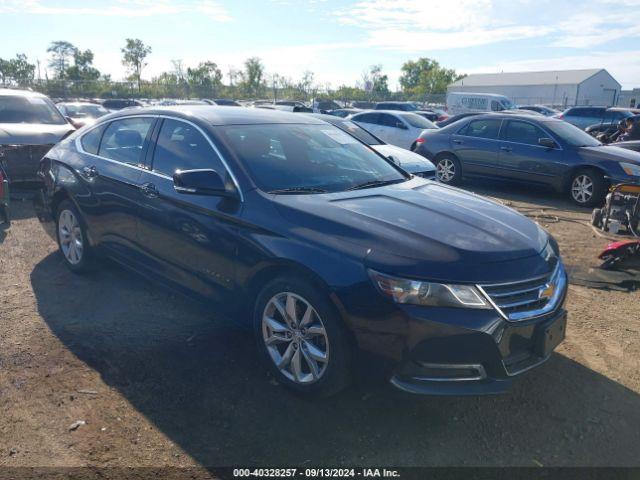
(90, 141)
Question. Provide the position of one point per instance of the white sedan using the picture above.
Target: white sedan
(394, 127)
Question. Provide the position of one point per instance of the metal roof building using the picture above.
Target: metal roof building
(593, 86)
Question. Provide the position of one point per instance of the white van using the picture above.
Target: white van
(463, 102)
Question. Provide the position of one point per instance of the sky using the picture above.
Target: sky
(336, 39)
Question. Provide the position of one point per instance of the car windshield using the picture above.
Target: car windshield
(307, 158)
(417, 121)
(572, 134)
(27, 109)
(93, 111)
(359, 132)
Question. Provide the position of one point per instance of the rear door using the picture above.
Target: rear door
(522, 158)
(477, 145)
(114, 154)
(369, 121)
(188, 239)
(393, 130)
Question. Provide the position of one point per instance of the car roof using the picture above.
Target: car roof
(17, 92)
(515, 116)
(219, 115)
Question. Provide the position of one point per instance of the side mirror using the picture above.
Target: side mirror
(547, 142)
(201, 182)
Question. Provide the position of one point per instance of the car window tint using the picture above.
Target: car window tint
(367, 118)
(387, 120)
(180, 146)
(91, 140)
(123, 139)
(483, 129)
(523, 132)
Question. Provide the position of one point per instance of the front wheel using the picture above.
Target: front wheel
(448, 170)
(587, 188)
(302, 337)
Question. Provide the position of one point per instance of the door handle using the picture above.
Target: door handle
(459, 142)
(149, 190)
(506, 149)
(90, 172)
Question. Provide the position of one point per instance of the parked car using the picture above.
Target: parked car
(323, 106)
(397, 128)
(408, 161)
(222, 102)
(542, 109)
(464, 102)
(363, 105)
(30, 124)
(455, 118)
(529, 149)
(344, 112)
(613, 118)
(5, 216)
(630, 145)
(80, 114)
(328, 251)
(115, 104)
(408, 107)
(583, 117)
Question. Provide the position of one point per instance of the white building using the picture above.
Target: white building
(559, 87)
(629, 98)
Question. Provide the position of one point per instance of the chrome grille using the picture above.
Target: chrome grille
(530, 298)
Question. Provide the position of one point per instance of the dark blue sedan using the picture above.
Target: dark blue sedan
(326, 249)
(529, 149)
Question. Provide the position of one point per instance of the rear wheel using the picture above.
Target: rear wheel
(72, 238)
(587, 188)
(448, 170)
(302, 337)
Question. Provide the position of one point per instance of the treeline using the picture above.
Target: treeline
(71, 73)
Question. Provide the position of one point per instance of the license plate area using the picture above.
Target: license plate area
(551, 336)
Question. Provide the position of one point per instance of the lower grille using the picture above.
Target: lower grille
(528, 298)
(21, 161)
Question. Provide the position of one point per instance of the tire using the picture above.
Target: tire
(299, 345)
(587, 188)
(448, 170)
(72, 238)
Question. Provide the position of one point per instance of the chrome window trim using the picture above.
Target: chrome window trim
(560, 277)
(78, 143)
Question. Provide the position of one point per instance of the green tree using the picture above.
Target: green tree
(82, 68)
(61, 54)
(205, 79)
(379, 82)
(134, 54)
(17, 70)
(252, 76)
(425, 76)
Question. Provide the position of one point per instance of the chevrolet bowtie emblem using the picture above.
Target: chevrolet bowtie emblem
(547, 291)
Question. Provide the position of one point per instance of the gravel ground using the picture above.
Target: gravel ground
(159, 380)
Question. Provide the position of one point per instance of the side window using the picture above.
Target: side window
(368, 118)
(523, 132)
(495, 106)
(387, 120)
(123, 139)
(181, 146)
(483, 129)
(91, 140)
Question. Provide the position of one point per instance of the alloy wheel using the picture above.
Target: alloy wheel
(295, 338)
(446, 170)
(582, 189)
(70, 235)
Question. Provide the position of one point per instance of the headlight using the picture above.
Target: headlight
(631, 169)
(416, 292)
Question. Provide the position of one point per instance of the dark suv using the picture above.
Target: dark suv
(326, 249)
(599, 118)
(30, 124)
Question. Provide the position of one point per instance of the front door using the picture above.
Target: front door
(523, 158)
(188, 239)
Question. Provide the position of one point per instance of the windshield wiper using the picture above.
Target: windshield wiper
(374, 183)
(298, 190)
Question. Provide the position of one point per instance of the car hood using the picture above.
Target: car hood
(419, 228)
(612, 153)
(32, 134)
(409, 161)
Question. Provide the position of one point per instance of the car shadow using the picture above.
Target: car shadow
(21, 201)
(199, 380)
(541, 196)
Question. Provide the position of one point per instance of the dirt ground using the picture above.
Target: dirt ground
(160, 380)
